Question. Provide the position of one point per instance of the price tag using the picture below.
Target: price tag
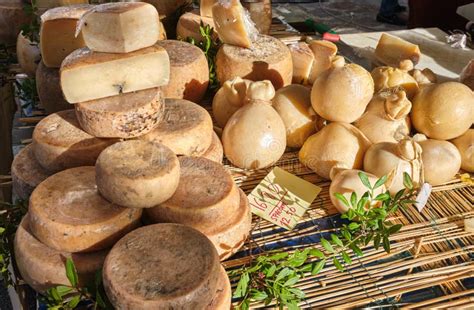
(423, 195)
(282, 198)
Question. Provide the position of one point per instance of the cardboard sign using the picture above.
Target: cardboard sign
(282, 198)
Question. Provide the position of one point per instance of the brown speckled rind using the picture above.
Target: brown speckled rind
(49, 89)
(223, 297)
(215, 152)
(162, 266)
(67, 213)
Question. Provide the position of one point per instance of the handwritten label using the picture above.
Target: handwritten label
(423, 195)
(282, 198)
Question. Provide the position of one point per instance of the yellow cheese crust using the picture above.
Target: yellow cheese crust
(215, 152)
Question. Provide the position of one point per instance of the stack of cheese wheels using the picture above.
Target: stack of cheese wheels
(12, 17)
(165, 266)
(208, 200)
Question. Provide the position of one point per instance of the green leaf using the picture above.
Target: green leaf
(365, 179)
(298, 258)
(337, 264)
(386, 244)
(316, 253)
(377, 240)
(279, 256)
(353, 226)
(382, 197)
(258, 295)
(341, 198)
(394, 228)
(399, 194)
(53, 293)
(270, 271)
(346, 234)
(71, 272)
(407, 182)
(318, 267)
(306, 268)
(283, 274)
(346, 257)
(356, 250)
(353, 199)
(368, 238)
(63, 290)
(242, 286)
(362, 203)
(297, 292)
(327, 245)
(336, 240)
(245, 305)
(292, 281)
(293, 306)
(74, 301)
(380, 182)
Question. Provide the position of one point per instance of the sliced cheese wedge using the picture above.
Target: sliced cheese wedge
(392, 51)
(323, 52)
(49, 89)
(303, 59)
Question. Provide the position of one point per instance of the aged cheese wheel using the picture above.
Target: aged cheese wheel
(465, 145)
(137, 174)
(189, 72)
(168, 7)
(441, 161)
(162, 266)
(388, 77)
(205, 199)
(186, 128)
(12, 17)
(27, 173)
(215, 152)
(67, 213)
(48, 4)
(268, 59)
(60, 143)
(28, 54)
(126, 115)
(222, 299)
(189, 23)
(49, 89)
(43, 267)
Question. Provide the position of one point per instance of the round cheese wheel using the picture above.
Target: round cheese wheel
(43, 267)
(127, 115)
(12, 17)
(26, 173)
(28, 55)
(186, 128)
(268, 59)
(223, 298)
(168, 7)
(465, 145)
(60, 143)
(205, 199)
(49, 89)
(189, 23)
(67, 213)
(162, 266)
(189, 72)
(441, 161)
(215, 152)
(137, 174)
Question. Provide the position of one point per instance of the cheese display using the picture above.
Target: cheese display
(233, 23)
(223, 297)
(120, 27)
(393, 50)
(303, 59)
(57, 33)
(293, 104)
(387, 77)
(215, 152)
(48, 4)
(49, 89)
(137, 174)
(26, 173)
(205, 7)
(123, 116)
(60, 143)
(443, 111)
(189, 23)
(162, 266)
(268, 59)
(28, 54)
(228, 99)
(43, 267)
(465, 145)
(323, 52)
(425, 76)
(87, 75)
(186, 128)
(67, 213)
(189, 71)
(12, 17)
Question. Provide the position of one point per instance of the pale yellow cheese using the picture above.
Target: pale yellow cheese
(205, 7)
(48, 4)
(323, 52)
(49, 89)
(303, 59)
(189, 24)
(393, 50)
(28, 55)
(121, 27)
(87, 75)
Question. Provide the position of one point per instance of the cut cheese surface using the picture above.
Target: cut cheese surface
(162, 266)
(123, 116)
(87, 75)
(60, 143)
(323, 52)
(57, 33)
(393, 50)
(205, 199)
(186, 128)
(303, 59)
(268, 59)
(137, 174)
(28, 55)
(189, 71)
(215, 152)
(27, 173)
(121, 27)
(67, 213)
(49, 89)
(43, 267)
(205, 7)
(189, 23)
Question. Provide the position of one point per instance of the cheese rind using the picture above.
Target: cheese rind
(393, 50)
(87, 75)
(137, 174)
(188, 26)
(28, 55)
(215, 152)
(67, 213)
(268, 59)
(49, 89)
(12, 17)
(121, 27)
(303, 59)
(323, 52)
(60, 143)
(42, 267)
(223, 298)
(189, 71)
(48, 4)
(167, 8)
(123, 116)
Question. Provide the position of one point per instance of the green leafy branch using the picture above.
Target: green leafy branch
(31, 30)
(273, 277)
(27, 92)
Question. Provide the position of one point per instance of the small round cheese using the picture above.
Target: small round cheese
(28, 54)
(223, 297)
(49, 89)
(465, 145)
(441, 161)
(60, 143)
(126, 115)
(137, 174)
(163, 266)
(43, 267)
(189, 72)
(215, 152)
(186, 128)
(26, 173)
(189, 23)
(67, 213)
(267, 59)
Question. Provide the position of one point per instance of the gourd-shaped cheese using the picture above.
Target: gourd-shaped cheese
(388, 77)
(123, 116)
(49, 89)
(228, 99)
(425, 76)
(189, 25)
(393, 50)
(215, 152)
(323, 52)
(465, 145)
(303, 59)
(28, 54)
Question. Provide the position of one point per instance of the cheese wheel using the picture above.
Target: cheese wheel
(223, 298)
(163, 266)
(465, 145)
(12, 17)
(60, 143)
(268, 59)
(205, 199)
(28, 54)
(189, 71)
(26, 173)
(42, 267)
(126, 115)
(168, 7)
(67, 213)
(48, 4)
(137, 174)
(441, 161)
(49, 89)
(215, 152)
(186, 128)
(188, 26)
